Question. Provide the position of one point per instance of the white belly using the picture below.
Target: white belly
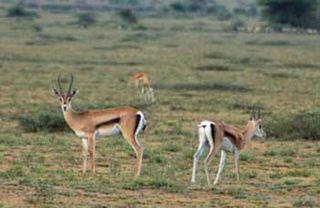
(103, 131)
(227, 145)
(108, 131)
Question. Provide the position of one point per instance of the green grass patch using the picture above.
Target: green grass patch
(299, 173)
(161, 183)
(281, 151)
(245, 156)
(170, 147)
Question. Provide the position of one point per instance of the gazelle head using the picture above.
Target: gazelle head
(256, 122)
(65, 98)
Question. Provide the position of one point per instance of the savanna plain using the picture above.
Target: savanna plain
(199, 70)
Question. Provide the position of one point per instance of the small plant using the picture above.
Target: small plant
(292, 182)
(86, 19)
(245, 156)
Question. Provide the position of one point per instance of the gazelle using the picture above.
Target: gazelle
(142, 80)
(220, 136)
(91, 124)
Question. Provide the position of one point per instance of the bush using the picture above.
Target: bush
(128, 16)
(178, 7)
(297, 13)
(86, 19)
(44, 121)
(303, 125)
(19, 11)
(220, 11)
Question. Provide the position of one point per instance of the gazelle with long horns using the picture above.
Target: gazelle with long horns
(91, 124)
(142, 83)
(220, 136)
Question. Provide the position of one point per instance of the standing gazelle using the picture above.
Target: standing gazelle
(220, 136)
(90, 124)
(142, 83)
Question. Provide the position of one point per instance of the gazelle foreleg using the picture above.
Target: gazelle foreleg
(92, 149)
(197, 155)
(85, 149)
(236, 155)
(221, 165)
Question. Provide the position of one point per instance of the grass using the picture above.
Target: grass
(283, 151)
(196, 75)
(215, 68)
(204, 86)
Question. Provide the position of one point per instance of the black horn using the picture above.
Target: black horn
(59, 84)
(71, 83)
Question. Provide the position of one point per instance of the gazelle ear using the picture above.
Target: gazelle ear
(55, 92)
(74, 92)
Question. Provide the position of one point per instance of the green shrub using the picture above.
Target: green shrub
(19, 11)
(128, 16)
(44, 121)
(303, 125)
(86, 19)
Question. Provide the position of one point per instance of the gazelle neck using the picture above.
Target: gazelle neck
(248, 132)
(69, 115)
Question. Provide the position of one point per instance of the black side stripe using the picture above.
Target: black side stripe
(138, 118)
(213, 131)
(109, 122)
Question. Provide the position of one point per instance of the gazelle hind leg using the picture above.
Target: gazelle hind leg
(214, 147)
(127, 130)
(221, 166)
(236, 163)
(139, 153)
(197, 155)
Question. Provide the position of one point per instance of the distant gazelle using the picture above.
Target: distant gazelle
(220, 136)
(91, 124)
(141, 81)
